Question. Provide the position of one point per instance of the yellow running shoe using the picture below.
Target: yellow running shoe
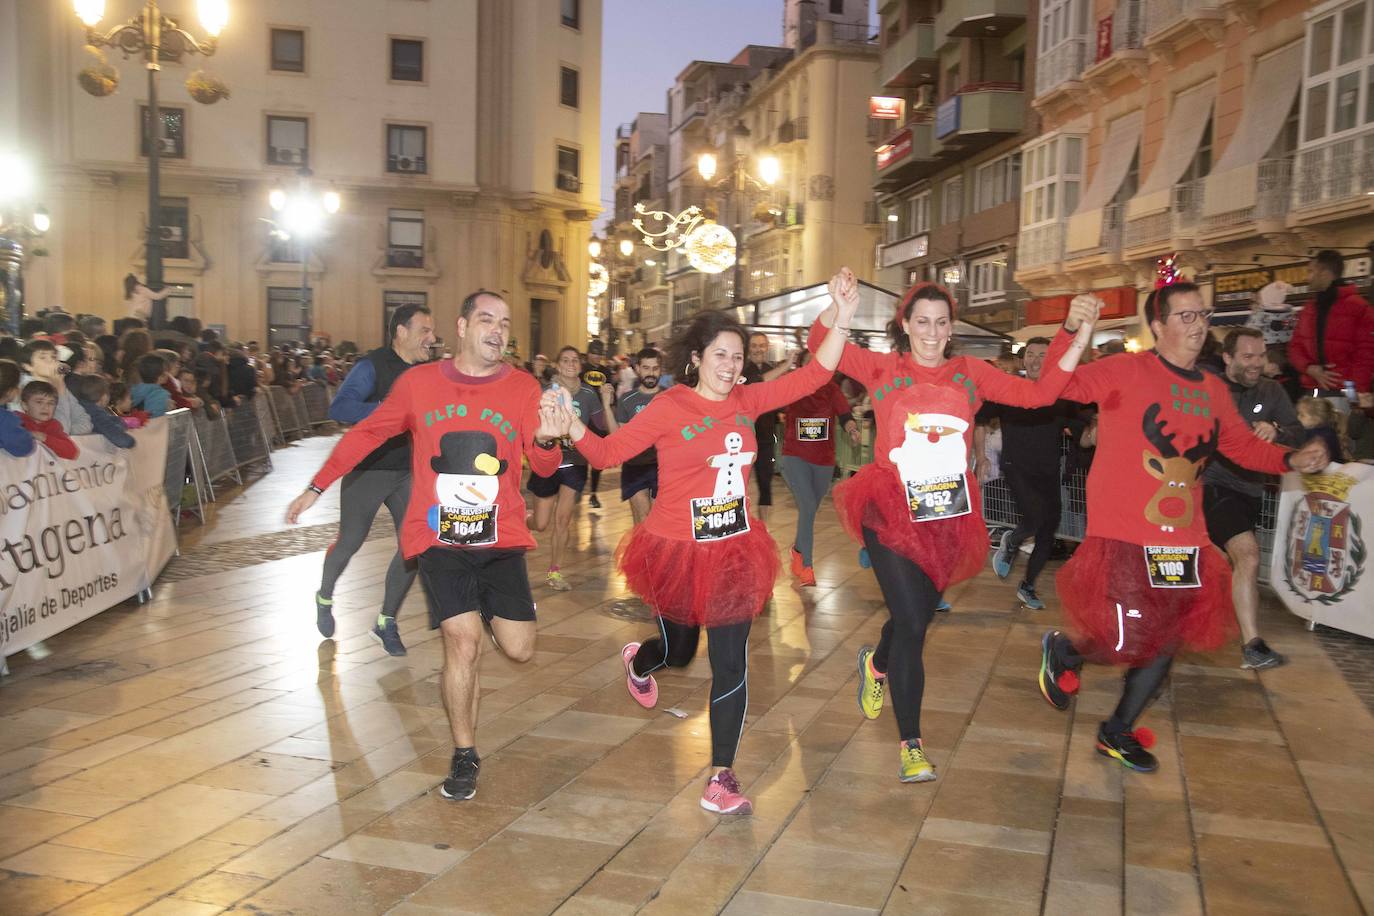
(870, 687)
(915, 766)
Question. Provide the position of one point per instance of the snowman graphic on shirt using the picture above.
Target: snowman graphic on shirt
(466, 485)
(933, 464)
(725, 512)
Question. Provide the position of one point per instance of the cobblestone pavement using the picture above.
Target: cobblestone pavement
(223, 556)
(1354, 656)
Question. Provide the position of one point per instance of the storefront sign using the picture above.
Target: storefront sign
(885, 108)
(897, 148)
(1238, 289)
(905, 250)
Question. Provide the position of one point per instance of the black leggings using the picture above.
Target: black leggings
(727, 646)
(596, 479)
(911, 599)
(1037, 498)
(1141, 685)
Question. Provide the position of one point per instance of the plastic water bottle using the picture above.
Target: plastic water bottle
(1349, 388)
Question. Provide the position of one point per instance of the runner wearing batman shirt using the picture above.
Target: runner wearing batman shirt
(470, 420)
(556, 495)
(596, 375)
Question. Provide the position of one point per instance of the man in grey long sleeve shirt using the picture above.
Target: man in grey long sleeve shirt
(39, 361)
(382, 478)
(1232, 496)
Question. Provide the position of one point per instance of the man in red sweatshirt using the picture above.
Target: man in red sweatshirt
(1334, 341)
(40, 403)
(1147, 582)
(470, 420)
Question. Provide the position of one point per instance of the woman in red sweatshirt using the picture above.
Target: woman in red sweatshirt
(700, 559)
(916, 507)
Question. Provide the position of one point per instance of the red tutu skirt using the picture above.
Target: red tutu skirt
(701, 583)
(948, 550)
(1118, 618)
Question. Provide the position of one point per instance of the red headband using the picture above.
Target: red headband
(910, 295)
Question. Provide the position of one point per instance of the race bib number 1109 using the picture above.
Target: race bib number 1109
(1172, 567)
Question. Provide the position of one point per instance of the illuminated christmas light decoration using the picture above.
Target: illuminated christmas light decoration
(676, 227)
(598, 280)
(710, 248)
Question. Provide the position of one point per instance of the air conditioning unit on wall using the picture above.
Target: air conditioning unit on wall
(171, 233)
(287, 156)
(407, 164)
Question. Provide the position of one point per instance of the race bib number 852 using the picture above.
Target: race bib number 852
(714, 518)
(1172, 567)
(938, 497)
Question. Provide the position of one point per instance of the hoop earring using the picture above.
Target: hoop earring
(688, 369)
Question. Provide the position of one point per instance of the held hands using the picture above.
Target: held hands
(1083, 312)
(1312, 458)
(556, 416)
(299, 505)
(844, 292)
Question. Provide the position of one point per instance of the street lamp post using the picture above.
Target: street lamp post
(301, 216)
(157, 38)
(735, 184)
(20, 223)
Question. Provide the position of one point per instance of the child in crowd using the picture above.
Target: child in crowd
(14, 437)
(39, 360)
(122, 403)
(92, 392)
(149, 395)
(40, 403)
(1323, 421)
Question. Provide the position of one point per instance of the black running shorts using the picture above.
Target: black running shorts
(495, 583)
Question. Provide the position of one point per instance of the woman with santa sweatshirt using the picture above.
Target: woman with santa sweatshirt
(916, 507)
(700, 559)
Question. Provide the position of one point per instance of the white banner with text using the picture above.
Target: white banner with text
(78, 537)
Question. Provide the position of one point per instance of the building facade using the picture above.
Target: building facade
(803, 103)
(462, 137)
(640, 307)
(1232, 137)
(955, 109)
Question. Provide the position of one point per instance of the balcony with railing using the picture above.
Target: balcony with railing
(979, 18)
(1126, 55)
(1060, 66)
(1170, 24)
(910, 60)
(1335, 178)
(980, 114)
(1273, 187)
(793, 130)
(1040, 247)
(1175, 227)
(908, 155)
(692, 111)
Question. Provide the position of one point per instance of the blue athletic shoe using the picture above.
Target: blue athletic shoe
(942, 607)
(1027, 596)
(864, 560)
(1005, 556)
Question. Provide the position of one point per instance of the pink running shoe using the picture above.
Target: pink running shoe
(645, 689)
(723, 796)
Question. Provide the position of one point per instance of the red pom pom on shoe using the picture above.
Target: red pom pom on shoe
(1068, 681)
(1145, 736)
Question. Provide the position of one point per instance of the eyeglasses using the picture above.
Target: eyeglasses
(1192, 315)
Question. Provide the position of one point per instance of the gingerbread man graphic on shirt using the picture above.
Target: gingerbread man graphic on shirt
(730, 467)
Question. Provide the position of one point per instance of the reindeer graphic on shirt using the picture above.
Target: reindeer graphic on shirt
(1172, 505)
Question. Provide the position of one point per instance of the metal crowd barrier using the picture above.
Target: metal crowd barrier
(217, 453)
(180, 432)
(267, 418)
(248, 440)
(316, 400)
(288, 420)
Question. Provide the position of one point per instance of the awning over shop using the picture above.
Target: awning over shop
(1188, 119)
(794, 310)
(1085, 223)
(1234, 182)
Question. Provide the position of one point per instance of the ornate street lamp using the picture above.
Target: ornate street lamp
(20, 223)
(156, 38)
(301, 215)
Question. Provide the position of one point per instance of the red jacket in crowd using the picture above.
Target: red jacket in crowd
(54, 436)
(1349, 343)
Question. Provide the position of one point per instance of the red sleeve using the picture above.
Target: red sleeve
(1301, 349)
(543, 461)
(642, 431)
(61, 444)
(391, 418)
(1092, 383)
(996, 385)
(762, 397)
(1239, 443)
(1362, 366)
(855, 361)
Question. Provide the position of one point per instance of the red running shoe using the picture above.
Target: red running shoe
(644, 690)
(723, 795)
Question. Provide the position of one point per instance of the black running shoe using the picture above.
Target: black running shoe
(389, 637)
(461, 784)
(324, 616)
(1057, 681)
(1129, 748)
(594, 502)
